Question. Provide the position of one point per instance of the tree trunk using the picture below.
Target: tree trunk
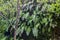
(17, 19)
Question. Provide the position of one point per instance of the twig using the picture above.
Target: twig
(17, 19)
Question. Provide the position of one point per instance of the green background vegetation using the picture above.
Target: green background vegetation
(38, 25)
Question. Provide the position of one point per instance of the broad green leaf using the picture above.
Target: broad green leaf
(35, 32)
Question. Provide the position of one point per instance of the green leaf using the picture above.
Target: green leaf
(35, 32)
(28, 30)
(4, 38)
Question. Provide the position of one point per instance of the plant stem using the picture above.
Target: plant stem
(17, 19)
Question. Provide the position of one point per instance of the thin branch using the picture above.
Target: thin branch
(17, 18)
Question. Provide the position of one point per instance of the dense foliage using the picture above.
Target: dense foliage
(37, 19)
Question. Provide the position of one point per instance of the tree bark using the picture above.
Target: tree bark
(17, 18)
